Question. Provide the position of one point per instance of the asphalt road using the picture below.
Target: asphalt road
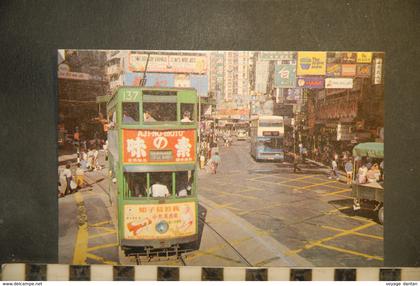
(253, 214)
(306, 212)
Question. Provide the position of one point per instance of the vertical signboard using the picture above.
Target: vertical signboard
(285, 75)
(311, 63)
(377, 71)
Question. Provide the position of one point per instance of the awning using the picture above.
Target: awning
(157, 168)
(371, 149)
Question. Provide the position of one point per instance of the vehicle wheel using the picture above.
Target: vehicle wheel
(381, 215)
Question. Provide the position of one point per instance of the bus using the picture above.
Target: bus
(266, 138)
(152, 141)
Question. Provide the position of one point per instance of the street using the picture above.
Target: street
(252, 214)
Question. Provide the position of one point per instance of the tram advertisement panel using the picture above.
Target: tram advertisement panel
(158, 146)
(159, 221)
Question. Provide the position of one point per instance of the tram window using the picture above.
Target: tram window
(187, 112)
(130, 112)
(184, 182)
(137, 184)
(160, 184)
(162, 111)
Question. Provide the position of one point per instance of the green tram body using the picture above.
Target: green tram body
(117, 166)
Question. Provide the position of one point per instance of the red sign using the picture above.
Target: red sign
(158, 146)
(310, 82)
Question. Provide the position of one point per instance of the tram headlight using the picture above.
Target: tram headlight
(162, 226)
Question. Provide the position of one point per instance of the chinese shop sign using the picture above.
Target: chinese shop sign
(348, 70)
(158, 146)
(338, 82)
(157, 221)
(377, 71)
(363, 70)
(333, 70)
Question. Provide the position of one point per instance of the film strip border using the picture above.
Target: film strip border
(59, 272)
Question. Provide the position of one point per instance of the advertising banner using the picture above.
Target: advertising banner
(333, 70)
(364, 57)
(158, 146)
(167, 63)
(311, 63)
(285, 75)
(73, 75)
(292, 95)
(363, 70)
(338, 82)
(310, 82)
(154, 221)
(348, 70)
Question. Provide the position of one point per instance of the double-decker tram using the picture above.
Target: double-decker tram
(152, 154)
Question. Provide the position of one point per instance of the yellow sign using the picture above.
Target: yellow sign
(311, 63)
(159, 221)
(364, 57)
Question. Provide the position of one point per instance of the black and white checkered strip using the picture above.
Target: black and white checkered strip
(58, 272)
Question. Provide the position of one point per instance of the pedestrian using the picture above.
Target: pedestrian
(349, 170)
(215, 162)
(334, 170)
(295, 163)
(90, 160)
(202, 160)
(80, 177)
(68, 176)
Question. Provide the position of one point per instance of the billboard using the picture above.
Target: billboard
(348, 70)
(158, 146)
(285, 75)
(364, 57)
(363, 70)
(157, 221)
(310, 82)
(333, 70)
(311, 63)
(152, 79)
(348, 58)
(337, 82)
(168, 63)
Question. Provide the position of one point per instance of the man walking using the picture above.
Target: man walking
(295, 163)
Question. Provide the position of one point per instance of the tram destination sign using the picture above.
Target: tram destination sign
(161, 155)
(158, 146)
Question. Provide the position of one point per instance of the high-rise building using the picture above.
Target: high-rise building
(236, 79)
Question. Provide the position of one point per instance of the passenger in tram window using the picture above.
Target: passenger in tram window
(148, 117)
(183, 184)
(127, 118)
(187, 117)
(159, 188)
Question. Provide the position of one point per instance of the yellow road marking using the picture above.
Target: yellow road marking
(102, 234)
(234, 194)
(318, 242)
(104, 228)
(101, 259)
(100, 223)
(102, 246)
(339, 249)
(260, 209)
(355, 218)
(319, 184)
(80, 247)
(337, 192)
(355, 233)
